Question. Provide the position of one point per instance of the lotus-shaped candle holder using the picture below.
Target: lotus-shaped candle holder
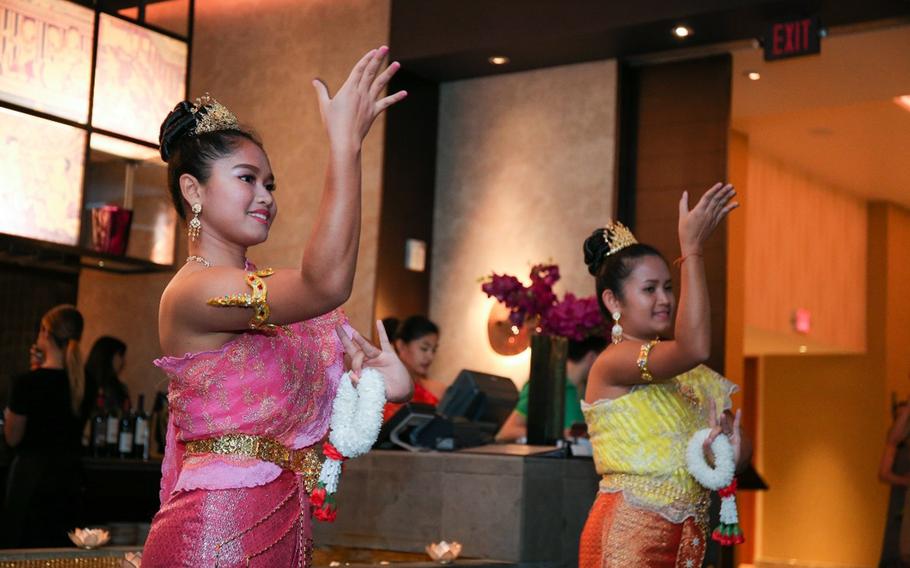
(131, 560)
(89, 538)
(444, 552)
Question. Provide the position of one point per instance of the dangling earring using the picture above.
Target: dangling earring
(195, 223)
(617, 329)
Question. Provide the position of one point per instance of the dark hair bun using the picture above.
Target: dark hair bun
(179, 123)
(595, 249)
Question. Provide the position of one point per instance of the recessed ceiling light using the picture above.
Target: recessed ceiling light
(682, 31)
(903, 102)
(753, 75)
(499, 60)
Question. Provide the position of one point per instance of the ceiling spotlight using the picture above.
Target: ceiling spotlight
(499, 60)
(753, 75)
(903, 102)
(681, 31)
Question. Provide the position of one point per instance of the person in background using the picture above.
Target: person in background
(894, 470)
(105, 363)
(42, 425)
(582, 355)
(416, 341)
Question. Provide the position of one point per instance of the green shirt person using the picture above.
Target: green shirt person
(571, 415)
(582, 355)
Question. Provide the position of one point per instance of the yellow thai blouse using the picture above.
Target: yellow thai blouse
(640, 441)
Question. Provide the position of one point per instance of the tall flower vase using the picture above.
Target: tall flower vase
(547, 389)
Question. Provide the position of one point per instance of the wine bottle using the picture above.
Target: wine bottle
(125, 445)
(113, 432)
(98, 440)
(159, 424)
(141, 431)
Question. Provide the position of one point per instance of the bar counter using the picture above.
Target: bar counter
(498, 501)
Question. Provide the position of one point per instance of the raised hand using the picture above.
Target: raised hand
(362, 354)
(349, 114)
(696, 226)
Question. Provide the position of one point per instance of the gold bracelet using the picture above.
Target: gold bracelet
(258, 300)
(643, 355)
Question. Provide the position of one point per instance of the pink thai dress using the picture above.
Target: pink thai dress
(228, 510)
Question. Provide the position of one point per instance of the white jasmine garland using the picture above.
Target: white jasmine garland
(356, 420)
(721, 475)
(720, 478)
(357, 413)
(728, 512)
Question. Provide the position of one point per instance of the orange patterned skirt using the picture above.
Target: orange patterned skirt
(619, 535)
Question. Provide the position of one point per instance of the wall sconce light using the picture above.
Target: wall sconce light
(505, 337)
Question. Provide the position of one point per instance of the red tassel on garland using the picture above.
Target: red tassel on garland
(323, 502)
(728, 534)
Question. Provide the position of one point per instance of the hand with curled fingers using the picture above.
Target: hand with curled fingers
(697, 225)
(361, 354)
(729, 425)
(349, 114)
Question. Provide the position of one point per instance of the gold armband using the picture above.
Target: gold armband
(643, 360)
(258, 300)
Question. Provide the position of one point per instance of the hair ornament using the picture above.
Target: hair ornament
(212, 116)
(617, 236)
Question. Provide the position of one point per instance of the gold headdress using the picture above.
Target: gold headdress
(215, 117)
(618, 236)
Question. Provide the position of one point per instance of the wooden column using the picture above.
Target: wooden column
(674, 138)
(409, 180)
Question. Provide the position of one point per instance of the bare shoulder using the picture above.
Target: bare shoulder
(182, 315)
(600, 386)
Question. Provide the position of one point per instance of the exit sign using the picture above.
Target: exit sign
(792, 38)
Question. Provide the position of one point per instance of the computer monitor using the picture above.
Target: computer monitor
(400, 429)
(479, 397)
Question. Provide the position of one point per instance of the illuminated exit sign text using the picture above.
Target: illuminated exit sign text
(792, 38)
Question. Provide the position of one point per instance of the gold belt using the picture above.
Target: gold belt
(303, 461)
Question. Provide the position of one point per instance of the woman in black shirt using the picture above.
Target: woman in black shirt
(105, 362)
(42, 424)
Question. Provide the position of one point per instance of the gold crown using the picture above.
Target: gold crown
(216, 116)
(618, 237)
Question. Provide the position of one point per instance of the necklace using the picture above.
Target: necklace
(200, 260)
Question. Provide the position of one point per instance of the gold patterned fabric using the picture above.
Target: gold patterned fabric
(305, 461)
(640, 441)
(82, 562)
(619, 535)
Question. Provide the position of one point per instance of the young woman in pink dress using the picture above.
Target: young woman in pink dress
(254, 357)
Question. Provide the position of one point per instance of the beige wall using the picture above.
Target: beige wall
(804, 242)
(821, 433)
(258, 58)
(823, 421)
(524, 174)
(897, 334)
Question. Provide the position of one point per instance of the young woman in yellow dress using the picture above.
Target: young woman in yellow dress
(647, 396)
